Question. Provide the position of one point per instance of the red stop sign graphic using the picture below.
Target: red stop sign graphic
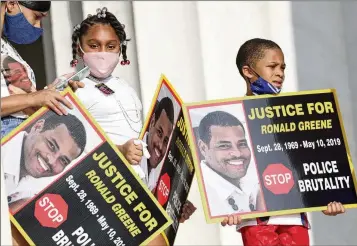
(278, 179)
(51, 210)
(163, 189)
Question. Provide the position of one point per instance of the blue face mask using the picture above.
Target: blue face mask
(18, 30)
(261, 87)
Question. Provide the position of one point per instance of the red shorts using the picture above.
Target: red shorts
(275, 235)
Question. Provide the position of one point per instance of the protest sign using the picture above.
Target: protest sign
(270, 155)
(169, 170)
(67, 184)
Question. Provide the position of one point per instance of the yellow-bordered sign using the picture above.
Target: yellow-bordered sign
(200, 109)
(164, 89)
(75, 101)
(163, 81)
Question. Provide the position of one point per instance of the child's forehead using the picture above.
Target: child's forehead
(274, 55)
(101, 27)
(101, 31)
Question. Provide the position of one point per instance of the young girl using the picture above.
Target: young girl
(99, 41)
(261, 63)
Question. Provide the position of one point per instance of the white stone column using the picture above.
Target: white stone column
(168, 42)
(349, 19)
(62, 28)
(223, 27)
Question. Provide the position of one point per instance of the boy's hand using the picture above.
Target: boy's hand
(231, 220)
(334, 208)
(187, 210)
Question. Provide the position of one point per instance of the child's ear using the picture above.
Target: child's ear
(247, 72)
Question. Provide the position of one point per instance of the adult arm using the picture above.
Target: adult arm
(50, 98)
(31, 102)
(14, 103)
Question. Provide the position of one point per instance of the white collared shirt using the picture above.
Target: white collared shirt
(119, 114)
(17, 187)
(150, 178)
(11, 161)
(11, 165)
(221, 192)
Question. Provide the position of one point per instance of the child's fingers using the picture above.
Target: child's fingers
(334, 208)
(224, 222)
(136, 158)
(138, 147)
(329, 208)
(138, 152)
(237, 219)
(231, 220)
(340, 208)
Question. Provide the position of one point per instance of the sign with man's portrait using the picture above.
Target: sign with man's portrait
(261, 156)
(65, 181)
(169, 169)
(16, 76)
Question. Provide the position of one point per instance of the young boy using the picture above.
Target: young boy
(261, 63)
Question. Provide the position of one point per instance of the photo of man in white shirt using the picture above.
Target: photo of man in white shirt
(42, 150)
(157, 139)
(15, 74)
(226, 157)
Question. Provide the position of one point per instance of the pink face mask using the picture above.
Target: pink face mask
(101, 64)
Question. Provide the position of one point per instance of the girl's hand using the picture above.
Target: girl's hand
(73, 84)
(132, 152)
